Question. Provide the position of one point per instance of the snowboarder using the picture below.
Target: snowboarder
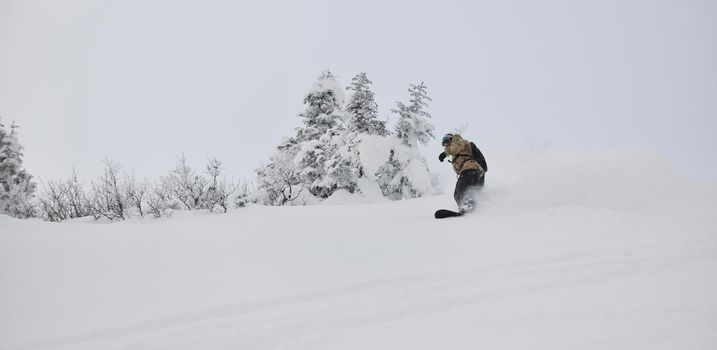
(469, 163)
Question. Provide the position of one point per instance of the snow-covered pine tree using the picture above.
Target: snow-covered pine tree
(316, 142)
(323, 108)
(315, 161)
(393, 181)
(405, 174)
(344, 168)
(324, 154)
(16, 186)
(362, 109)
(413, 126)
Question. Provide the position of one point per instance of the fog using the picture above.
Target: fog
(142, 82)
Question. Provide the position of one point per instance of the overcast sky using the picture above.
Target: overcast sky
(144, 81)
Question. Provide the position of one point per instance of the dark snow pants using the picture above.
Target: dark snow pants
(469, 183)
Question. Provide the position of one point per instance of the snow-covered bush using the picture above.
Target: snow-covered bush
(63, 200)
(135, 193)
(243, 196)
(405, 173)
(279, 181)
(53, 203)
(159, 200)
(114, 196)
(218, 190)
(186, 186)
(392, 180)
(107, 198)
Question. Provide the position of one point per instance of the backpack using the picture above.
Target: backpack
(478, 157)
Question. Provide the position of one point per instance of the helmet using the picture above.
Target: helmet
(446, 139)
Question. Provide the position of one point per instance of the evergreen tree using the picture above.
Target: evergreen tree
(362, 110)
(317, 141)
(413, 126)
(393, 181)
(323, 155)
(406, 174)
(344, 168)
(323, 108)
(16, 186)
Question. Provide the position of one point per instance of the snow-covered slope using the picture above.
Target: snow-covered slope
(565, 252)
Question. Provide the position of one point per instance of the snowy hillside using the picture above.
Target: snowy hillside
(566, 251)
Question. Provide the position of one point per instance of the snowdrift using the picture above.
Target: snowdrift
(573, 251)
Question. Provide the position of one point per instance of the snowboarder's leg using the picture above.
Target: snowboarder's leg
(459, 191)
(466, 188)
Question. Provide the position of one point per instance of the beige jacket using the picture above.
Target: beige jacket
(460, 149)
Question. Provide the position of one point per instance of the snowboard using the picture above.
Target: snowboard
(445, 213)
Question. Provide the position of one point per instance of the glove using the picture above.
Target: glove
(442, 156)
